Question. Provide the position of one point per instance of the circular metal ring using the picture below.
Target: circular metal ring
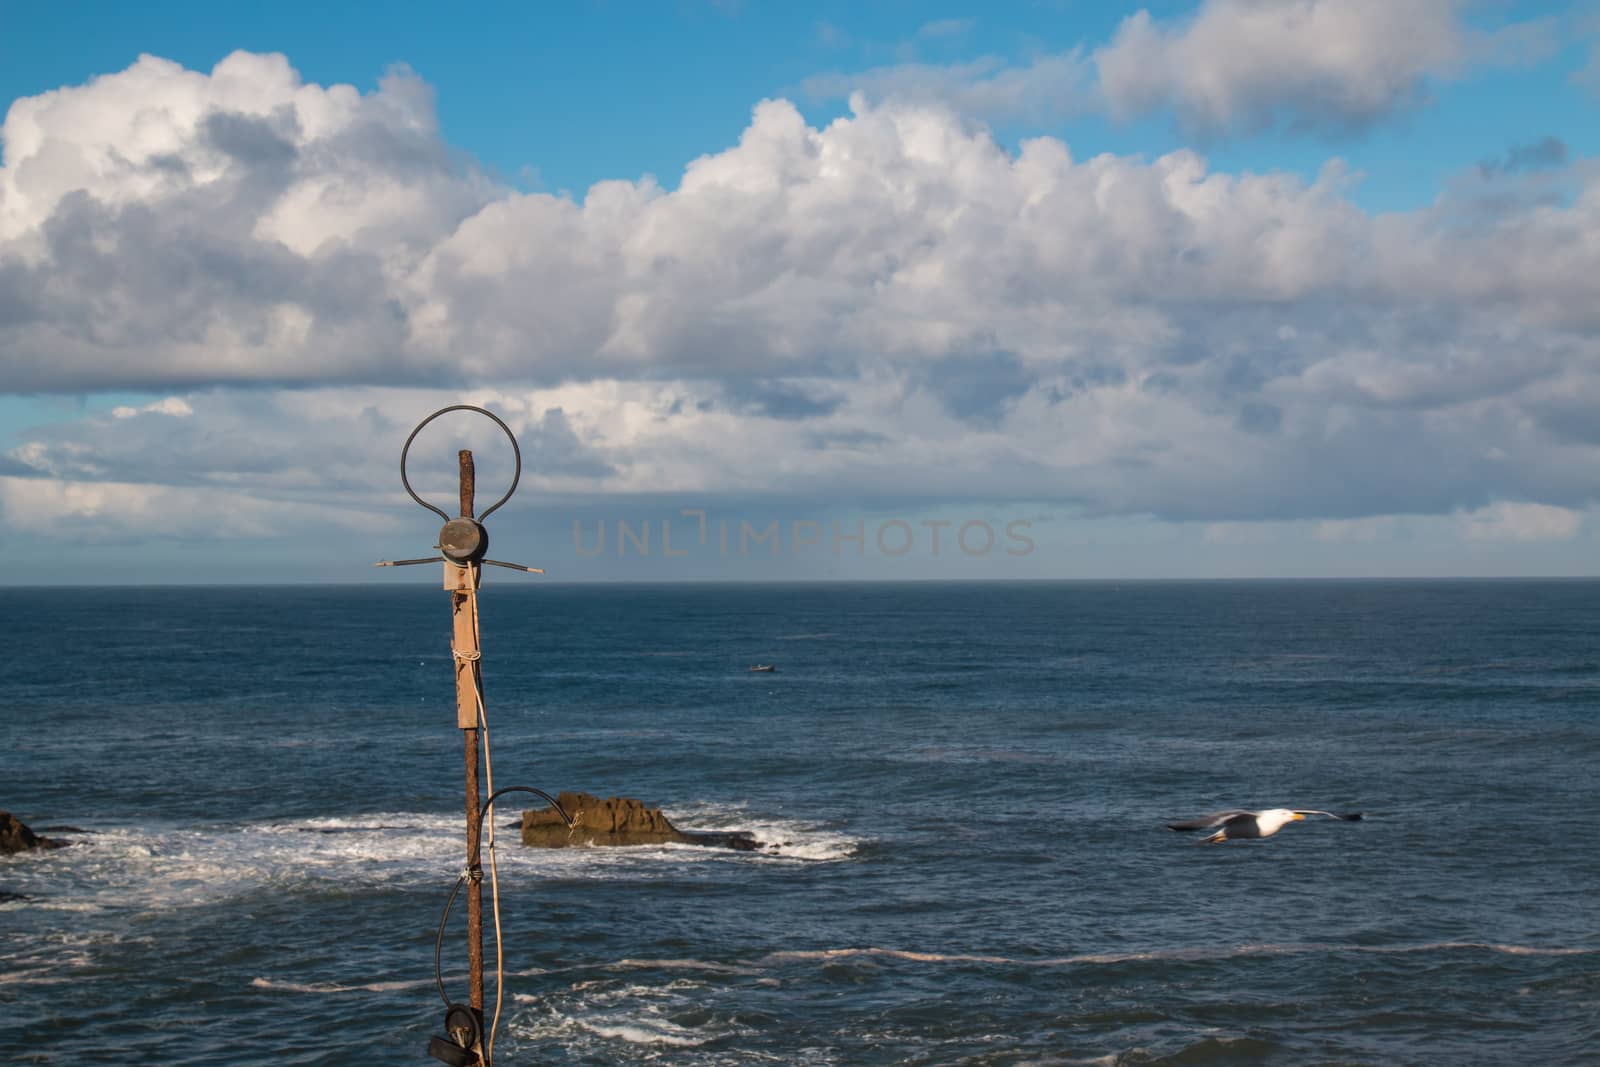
(515, 451)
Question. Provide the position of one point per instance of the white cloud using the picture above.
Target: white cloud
(889, 307)
(1243, 65)
(310, 164)
(1229, 67)
(97, 512)
(1511, 521)
(164, 225)
(175, 406)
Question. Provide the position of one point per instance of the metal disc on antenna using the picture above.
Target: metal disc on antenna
(463, 541)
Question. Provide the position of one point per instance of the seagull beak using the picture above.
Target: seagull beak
(1298, 817)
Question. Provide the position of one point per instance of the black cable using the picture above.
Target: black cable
(484, 810)
(472, 866)
(438, 941)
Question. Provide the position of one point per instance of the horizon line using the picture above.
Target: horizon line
(571, 582)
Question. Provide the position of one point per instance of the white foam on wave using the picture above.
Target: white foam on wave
(336, 987)
(787, 840)
(54, 960)
(1199, 953)
(145, 869)
(679, 965)
(283, 985)
(598, 1011)
(1486, 946)
(55, 957)
(119, 871)
(795, 839)
(639, 1033)
(50, 974)
(58, 955)
(158, 868)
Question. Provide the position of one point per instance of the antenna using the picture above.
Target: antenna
(463, 542)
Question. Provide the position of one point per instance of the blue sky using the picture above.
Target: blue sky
(1196, 289)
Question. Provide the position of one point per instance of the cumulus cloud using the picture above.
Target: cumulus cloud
(164, 226)
(1245, 65)
(1229, 67)
(888, 307)
(1511, 521)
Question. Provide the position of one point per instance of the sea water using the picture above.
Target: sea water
(962, 787)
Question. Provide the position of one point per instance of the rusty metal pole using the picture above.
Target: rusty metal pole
(463, 544)
(462, 581)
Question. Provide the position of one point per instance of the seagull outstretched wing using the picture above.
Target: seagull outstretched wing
(1350, 816)
(1208, 822)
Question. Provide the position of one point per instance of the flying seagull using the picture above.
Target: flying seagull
(1233, 825)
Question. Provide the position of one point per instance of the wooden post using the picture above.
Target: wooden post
(462, 583)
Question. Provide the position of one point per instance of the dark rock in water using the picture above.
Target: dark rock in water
(15, 837)
(738, 840)
(617, 821)
(6, 898)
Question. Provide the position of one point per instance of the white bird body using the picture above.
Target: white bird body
(1234, 825)
(1272, 820)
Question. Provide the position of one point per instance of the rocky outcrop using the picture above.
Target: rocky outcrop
(617, 821)
(16, 837)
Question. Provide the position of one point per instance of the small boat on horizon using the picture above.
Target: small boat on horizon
(764, 668)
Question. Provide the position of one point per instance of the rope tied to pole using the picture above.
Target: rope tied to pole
(486, 814)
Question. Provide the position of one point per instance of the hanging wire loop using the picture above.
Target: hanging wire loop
(516, 452)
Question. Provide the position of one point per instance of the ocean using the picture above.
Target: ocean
(963, 785)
